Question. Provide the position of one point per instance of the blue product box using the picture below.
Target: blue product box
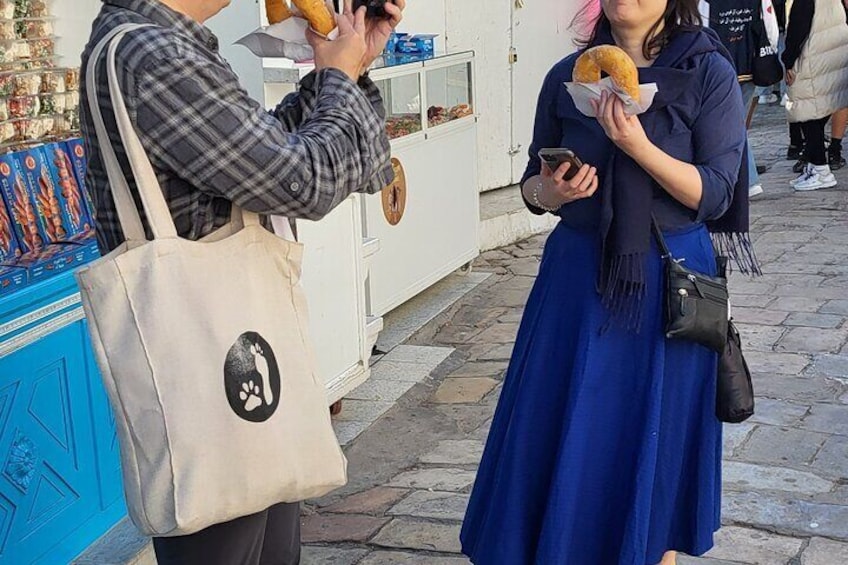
(10, 249)
(12, 278)
(75, 149)
(422, 43)
(20, 205)
(49, 176)
(91, 249)
(392, 43)
(55, 259)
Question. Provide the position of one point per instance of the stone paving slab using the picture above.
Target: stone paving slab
(434, 505)
(754, 546)
(411, 533)
(825, 552)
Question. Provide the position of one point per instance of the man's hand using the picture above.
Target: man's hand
(377, 30)
(790, 77)
(346, 52)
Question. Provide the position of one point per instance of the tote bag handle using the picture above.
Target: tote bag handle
(153, 200)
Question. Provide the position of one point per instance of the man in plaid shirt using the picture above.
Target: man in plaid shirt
(212, 145)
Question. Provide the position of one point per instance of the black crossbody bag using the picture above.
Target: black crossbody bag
(697, 309)
(696, 305)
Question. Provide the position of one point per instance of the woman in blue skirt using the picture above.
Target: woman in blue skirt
(605, 448)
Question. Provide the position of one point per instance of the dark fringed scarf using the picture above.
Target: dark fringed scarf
(627, 192)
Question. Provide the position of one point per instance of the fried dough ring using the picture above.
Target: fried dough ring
(611, 60)
(318, 15)
(277, 10)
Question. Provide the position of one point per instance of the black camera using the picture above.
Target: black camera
(375, 7)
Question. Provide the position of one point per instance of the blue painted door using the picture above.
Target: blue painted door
(55, 450)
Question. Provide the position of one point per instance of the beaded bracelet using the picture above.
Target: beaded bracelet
(538, 203)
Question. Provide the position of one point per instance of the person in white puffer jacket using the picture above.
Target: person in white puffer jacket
(816, 61)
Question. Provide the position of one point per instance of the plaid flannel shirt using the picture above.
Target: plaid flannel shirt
(212, 145)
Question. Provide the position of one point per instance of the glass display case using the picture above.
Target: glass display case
(402, 98)
(422, 92)
(449, 92)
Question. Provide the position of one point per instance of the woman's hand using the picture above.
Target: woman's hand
(790, 77)
(377, 30)
(625, 131)
(556, 191)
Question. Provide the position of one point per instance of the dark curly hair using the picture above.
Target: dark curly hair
(678, 15)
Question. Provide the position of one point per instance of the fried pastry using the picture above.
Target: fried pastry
(611, 60)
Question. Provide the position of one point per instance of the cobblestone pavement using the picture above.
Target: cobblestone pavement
(786, 471)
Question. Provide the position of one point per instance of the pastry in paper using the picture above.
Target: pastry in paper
(613, 61)
(583, 94)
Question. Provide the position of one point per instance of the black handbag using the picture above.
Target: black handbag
(735, 390)
(696, 305)
(766, 68)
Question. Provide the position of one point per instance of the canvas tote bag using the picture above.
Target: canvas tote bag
(205, 355)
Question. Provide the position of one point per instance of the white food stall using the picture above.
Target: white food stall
(373, 253)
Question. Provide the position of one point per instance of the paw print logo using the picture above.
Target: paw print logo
(250, 396)
(252, 378)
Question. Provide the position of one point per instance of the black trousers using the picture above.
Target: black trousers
(814, 140)
(796, 136)
(271, 537)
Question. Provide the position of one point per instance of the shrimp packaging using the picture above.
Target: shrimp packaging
(71, 190)
(10, 249)
(12, 278)
(20, 205)
(75, 149)
(55, 259)
(50, 180)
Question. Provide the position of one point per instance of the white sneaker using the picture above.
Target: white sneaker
(767, 99)
(784, 99)
(808, 171)
(819, 177)
(755, 190)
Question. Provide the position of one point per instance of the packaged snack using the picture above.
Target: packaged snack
(20, 204)
(40, 186)
(12, 278)
(62, 214)
(4, 110)
(75, 149)
(39, 28)
(72, 79)
(7, 30)
(27, 107)
(91, 248)
(32, 129)
(26, 84)
(42, 48)
(21, 50)
(38, 9)
(69, 189)
(53, 81)
(7, 84)
(22, 8)
(53, 260)
(423, 44)
(53, 104)
(10, 249)
(7, 132)
(7, 9)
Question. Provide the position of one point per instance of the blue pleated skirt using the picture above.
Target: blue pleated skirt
(605, 448)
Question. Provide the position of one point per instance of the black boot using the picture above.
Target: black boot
(794, 152)
(835, 158)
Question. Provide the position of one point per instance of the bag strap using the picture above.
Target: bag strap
(152, 198)
(658, 235)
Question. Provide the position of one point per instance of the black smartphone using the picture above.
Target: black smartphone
(375, 7)
(555, 157)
